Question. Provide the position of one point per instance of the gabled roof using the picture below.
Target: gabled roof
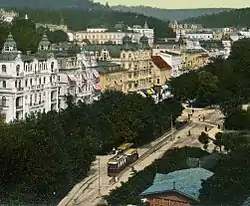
(186, 182)
(160, 63)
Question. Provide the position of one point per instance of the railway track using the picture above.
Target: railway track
(157, 146)
(161, 141)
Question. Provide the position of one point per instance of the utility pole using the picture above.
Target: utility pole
(99, 176)
(172, 130)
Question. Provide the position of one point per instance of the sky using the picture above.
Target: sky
(181, 4)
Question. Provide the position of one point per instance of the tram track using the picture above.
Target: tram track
(157, 146)
(159, 142)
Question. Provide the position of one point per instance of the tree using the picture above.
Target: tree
(204, 139)
(25, 34)
(218, 140)
(57, 36)
(173, 159)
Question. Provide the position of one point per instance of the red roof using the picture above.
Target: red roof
(160, 63)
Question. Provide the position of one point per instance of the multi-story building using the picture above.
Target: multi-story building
(189, 27)
(201, 35)
(78, 77)
(174, 60)
(7, 16)
(104, 36)
(54, 27)
(29, 83)
(112, 76)
(161, 71)
(194, 59)
(134, 58)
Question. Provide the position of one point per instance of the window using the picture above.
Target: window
(52, 66)
(4, 101)
(4, 68)
(26, 83)
(124, 56)
(4, 84)
(17, 69)
(129, 55)
(30, 82)
(158, 81)
(16, 84)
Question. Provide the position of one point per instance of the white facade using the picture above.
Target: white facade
(199, 35)
(145, 31)
(28, 84)
(7, 16)
(102, 35)
(97, 30)
(174, 60)
(79, 78)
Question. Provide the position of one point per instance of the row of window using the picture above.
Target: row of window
(30, 82)
(28, 67)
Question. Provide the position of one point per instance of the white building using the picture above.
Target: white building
(102, 35)
(28, 84)
(174, 60)
(79, 78)
(145, 31)
(7, 16)
(199, 35)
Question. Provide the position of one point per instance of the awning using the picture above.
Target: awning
(141, 93)
(72, 78)
(150, 91)
(96, 74)
(97, 87)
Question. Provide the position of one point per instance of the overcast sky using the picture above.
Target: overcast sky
(181, 4)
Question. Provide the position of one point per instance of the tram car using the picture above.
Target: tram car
(123, 158)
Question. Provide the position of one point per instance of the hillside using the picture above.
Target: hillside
(236, 18)
(169, 14)
(48, 4)
(80, 20)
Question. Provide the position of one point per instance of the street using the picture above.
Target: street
(88, 192)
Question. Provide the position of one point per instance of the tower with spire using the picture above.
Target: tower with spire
(9, 45)
(146, 25)
(44, 44)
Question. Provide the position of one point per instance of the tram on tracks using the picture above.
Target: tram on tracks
(125, 156)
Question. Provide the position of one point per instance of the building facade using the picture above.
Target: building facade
(180, 188)
(78, 77)
(133, 58)
(112, 76)
(104, 36)
(29, 84)
(194, 59)
(174, 60)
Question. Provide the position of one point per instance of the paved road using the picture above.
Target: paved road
(88, 195)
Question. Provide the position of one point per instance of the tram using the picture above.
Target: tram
(125, 156)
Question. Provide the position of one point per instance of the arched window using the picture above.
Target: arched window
(4, 101)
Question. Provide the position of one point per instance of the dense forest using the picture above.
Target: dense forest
(80, 20)
(27, 36)
(234, 18)
(169, 14)
(224, 83)
(43, 157)
(48, 4)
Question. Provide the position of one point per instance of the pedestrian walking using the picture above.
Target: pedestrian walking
(205, 128)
